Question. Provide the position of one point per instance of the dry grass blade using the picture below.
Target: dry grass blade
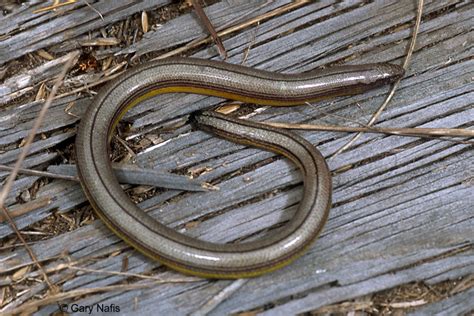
(6, 214)
(56, 4)
(29, 140)
(389, 97)
(411, 132)
(40, 173)
(406, 304)
(145, 24)
(135, 275)
(109, 41)
(36, 125)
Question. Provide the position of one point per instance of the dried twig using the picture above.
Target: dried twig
(377, 114)
(125, 145)
(205, 20)
(94, 9)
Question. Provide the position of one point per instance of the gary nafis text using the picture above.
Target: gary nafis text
(89, 309)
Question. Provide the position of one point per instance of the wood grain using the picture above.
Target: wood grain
(402, 207)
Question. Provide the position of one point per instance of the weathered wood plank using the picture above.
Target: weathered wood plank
(304, 53)
(37, 146)
(401, 208)
(185, 28)
(360, 286)
(19, 124)
(12, 87)
(131, 174)
(32, 31)
(459, 304)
